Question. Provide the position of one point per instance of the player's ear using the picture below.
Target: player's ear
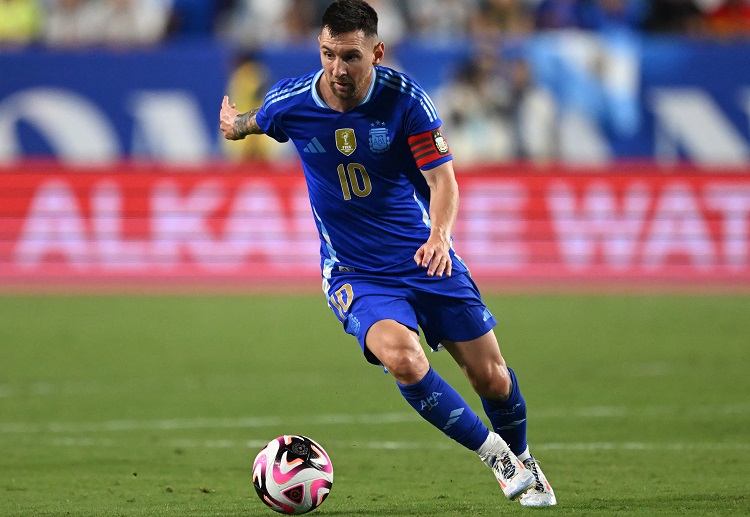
(378, 53)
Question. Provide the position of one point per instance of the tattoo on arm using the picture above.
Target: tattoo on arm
(245, 124)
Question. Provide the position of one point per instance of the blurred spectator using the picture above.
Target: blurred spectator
(131, 22)
(392, 18)
(20, 21)
(674, 16)
(247, 86)
(300, 21)
(440, 18)
(731, 19)
(502, 18)
(106, 22)
(392, 26)
(482, 108)
(558, 14)
(67, 22)
(252, 23)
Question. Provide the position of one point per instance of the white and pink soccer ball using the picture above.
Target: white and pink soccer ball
(292, 474)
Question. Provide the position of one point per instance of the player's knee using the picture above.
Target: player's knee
(399, 350)
(492, 382)
(404, 361)
(407, 365)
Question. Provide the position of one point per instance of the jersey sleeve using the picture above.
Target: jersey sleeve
(424, 132)
(269, 115)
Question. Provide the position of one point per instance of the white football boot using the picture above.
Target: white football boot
(512, 476)
(541, 494)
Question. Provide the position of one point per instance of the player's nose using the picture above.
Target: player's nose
(339, 68)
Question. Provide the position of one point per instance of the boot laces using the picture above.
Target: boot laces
(530, 465)
(506, 466)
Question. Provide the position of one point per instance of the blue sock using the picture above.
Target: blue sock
(438, 403)
(509, 418)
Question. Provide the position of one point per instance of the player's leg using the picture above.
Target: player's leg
(398, 348)
(483, 364)
(496, 384)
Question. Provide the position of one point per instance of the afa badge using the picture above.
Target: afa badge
(379, 140)
(346, 142)
(440, 144)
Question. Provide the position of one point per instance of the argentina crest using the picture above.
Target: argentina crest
(346, 142)
(379, 140)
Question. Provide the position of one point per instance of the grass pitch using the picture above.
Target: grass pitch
(156, 406)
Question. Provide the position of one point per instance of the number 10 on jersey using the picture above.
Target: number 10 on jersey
(354, 179)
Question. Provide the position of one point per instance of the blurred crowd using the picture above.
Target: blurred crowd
(573, 85)
(250, 23)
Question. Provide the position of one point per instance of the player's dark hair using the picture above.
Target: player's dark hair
(345, 16)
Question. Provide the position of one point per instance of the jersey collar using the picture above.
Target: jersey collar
(319, 101)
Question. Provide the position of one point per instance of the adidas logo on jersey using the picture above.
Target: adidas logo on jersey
(314, 147)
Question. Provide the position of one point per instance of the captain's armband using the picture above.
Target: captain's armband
(428, 146)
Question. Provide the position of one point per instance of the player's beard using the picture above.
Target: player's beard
(351, 90)
(347, 93)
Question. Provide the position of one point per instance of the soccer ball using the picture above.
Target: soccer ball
(292, 474)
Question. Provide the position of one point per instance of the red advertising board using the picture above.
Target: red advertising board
(250, 224)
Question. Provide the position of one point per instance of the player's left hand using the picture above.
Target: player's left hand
(435, 256)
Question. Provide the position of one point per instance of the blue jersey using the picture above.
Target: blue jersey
(369, 198)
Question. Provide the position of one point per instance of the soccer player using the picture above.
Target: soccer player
(384, 198)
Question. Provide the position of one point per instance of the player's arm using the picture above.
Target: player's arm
(435, 253)
(236, 125)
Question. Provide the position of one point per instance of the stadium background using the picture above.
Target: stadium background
(160, 311)
(608, 141)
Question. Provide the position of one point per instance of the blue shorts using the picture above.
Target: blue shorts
(445, 308)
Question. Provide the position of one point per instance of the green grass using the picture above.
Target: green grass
(156, 406)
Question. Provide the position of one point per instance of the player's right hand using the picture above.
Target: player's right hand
(226, 120)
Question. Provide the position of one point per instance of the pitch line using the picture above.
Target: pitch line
(177, 424)
(205, 423)
(403, 445)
